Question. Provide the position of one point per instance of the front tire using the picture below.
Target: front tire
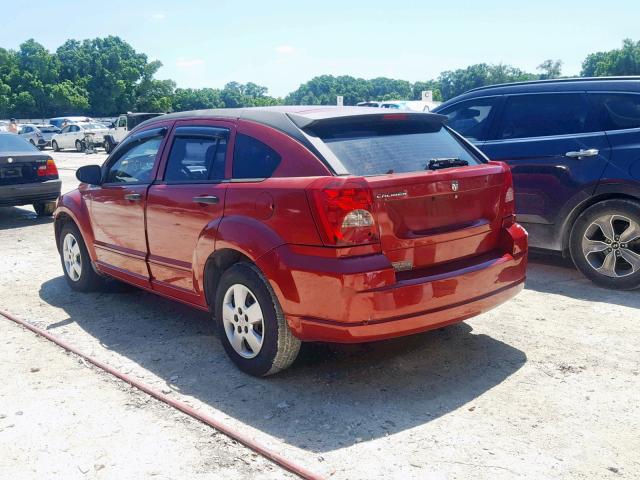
(251, 323)
(605, 244)
(76, 262)
(44, 209)
(107, 146)
(55, 146)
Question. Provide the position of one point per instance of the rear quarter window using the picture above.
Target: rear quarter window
(253, 159)
(618, 111)
(382, 147)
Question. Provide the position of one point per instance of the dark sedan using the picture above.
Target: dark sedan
(27, 176)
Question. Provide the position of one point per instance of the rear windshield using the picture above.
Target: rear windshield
(388, 146)
(13, 143)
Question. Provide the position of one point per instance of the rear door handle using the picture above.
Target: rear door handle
(592, 152)
(206, 199)
(133, 197)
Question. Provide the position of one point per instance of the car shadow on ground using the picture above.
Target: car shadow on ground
(333, 396)
(19, 217)
(549, 272)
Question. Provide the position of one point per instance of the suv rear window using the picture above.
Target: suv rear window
(391, 146)
(618, 111)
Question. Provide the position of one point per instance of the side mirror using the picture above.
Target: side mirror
(91, 174)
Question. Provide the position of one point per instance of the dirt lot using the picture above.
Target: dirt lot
(546, 386)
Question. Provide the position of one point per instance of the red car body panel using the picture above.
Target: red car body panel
(338, 294)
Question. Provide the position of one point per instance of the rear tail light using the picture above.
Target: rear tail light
(48, 169)
(508, 199)
(343, 210)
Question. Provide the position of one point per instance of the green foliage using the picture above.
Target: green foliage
(621, 61)
(455, 82)
(324, 89)
(106, 76)
(550, 69)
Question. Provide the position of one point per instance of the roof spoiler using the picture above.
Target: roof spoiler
(332, 116)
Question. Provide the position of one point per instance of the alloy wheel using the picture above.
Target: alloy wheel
(72, 257)
(611, 246)
(243, 321)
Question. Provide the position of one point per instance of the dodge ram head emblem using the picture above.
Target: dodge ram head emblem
(454, 185)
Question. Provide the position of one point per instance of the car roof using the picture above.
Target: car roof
(290, 120)
(630, 83)
(283, 117)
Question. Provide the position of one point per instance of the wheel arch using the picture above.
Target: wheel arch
(234, 239)
(71, 208)
(605, 194)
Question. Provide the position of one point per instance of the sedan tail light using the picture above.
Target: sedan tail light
(343, 210)
(48, 169)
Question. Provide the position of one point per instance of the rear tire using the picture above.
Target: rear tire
(55, 147)
(605, 244)
(251, 323)
(79, 146)
(76, 263)
(44, 209)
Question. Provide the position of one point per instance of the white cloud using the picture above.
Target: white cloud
(158, 16)
(189, 62)
(285, 49)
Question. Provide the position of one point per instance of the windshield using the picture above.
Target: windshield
(49, 129)
(382, 147)
(13, 143)
(91, 125)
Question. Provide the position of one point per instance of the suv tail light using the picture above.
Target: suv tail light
(508, 199)
(48, 169)
(343, 210)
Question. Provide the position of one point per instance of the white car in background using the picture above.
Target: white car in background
(62, 121)
(74, 135)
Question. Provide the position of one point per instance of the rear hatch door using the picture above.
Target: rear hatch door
(426, 216)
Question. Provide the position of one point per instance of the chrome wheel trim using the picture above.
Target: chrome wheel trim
(243, 321)
(72, 257)
(611, 246)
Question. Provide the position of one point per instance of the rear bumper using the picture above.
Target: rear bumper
(370, 305)
(27, 193)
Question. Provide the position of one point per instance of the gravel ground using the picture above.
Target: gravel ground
(545, 386)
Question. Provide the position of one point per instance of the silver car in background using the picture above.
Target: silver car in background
(38, 135)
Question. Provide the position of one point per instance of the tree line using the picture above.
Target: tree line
(106, 76)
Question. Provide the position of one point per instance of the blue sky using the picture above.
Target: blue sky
(280, 44)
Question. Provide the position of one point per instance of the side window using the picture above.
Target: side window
(74, 128)
(471, 118)
(122, 122)
(65, 130)
(618, 111)
(543, 115)
(197, 154)
(136, 164)
(253, 159)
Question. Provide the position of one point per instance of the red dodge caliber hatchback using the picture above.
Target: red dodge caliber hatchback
(295, 224)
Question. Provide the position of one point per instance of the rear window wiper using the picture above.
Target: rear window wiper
(440, 163)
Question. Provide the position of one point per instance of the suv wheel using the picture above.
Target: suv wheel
(79, 146)
(605, 244)
(76, 262)
(44, 209)
(252, 326)
(107, 145)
